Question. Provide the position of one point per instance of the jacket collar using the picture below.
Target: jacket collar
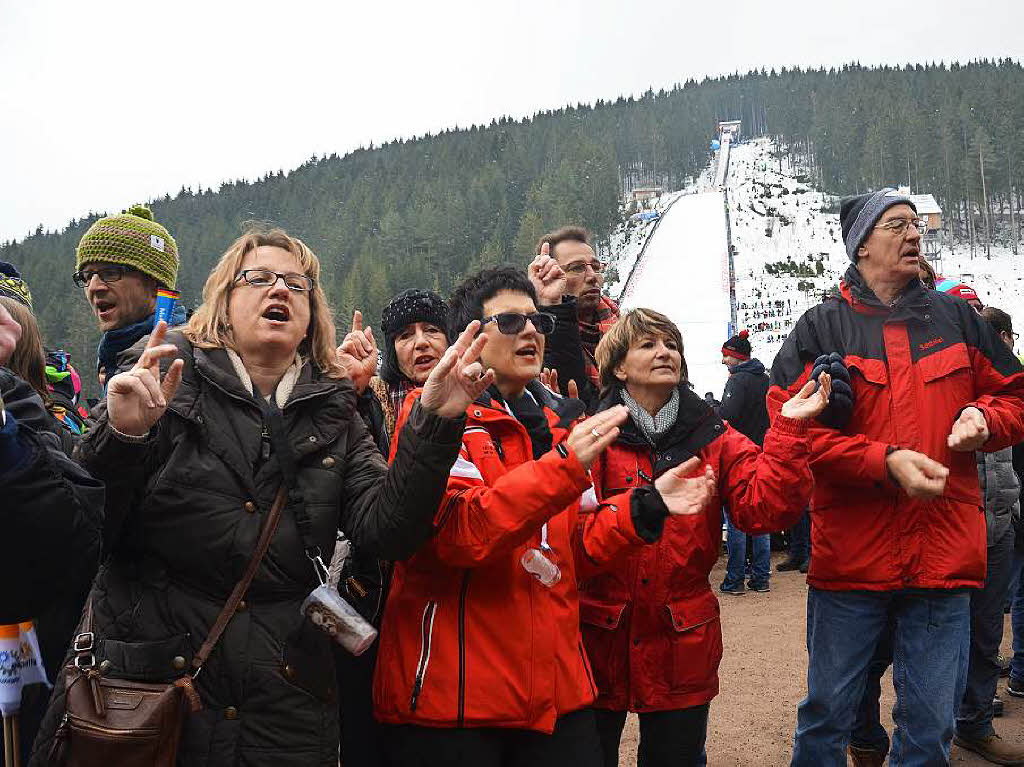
(561, 411)
(753, 366)
(695, 417)
(913, 302)
(214, 366)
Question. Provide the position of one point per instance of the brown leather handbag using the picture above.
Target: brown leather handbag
(109, 721)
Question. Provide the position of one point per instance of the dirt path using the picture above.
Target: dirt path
(763, 679)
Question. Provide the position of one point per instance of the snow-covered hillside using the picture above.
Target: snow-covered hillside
(787, 253)
(778, 226)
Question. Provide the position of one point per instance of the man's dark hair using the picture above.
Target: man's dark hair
(998, 319)
(564, 234)
(467, 300)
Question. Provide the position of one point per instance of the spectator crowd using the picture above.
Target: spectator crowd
(484, 535)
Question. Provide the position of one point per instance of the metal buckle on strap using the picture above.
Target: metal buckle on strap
(85, 661)
(83, 642)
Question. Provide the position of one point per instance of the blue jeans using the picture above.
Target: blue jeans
(930, 634)
(736, 567)
(974, 718)
(1017, 616)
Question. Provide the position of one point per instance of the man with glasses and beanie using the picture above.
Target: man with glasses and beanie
(121, 263)
(896, 520)
(581, 303)
(481, 661)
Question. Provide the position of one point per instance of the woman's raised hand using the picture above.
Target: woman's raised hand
(358, 353)
(687, 495)
(808, 403)
(458, 378)
(589, 438)
(137, 398)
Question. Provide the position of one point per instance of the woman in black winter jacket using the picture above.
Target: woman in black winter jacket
(190, 459)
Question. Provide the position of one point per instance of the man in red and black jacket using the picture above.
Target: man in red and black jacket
(897, 523)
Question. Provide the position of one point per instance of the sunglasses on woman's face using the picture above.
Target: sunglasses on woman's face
(510, 323)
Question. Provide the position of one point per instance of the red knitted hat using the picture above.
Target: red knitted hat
(738, 346)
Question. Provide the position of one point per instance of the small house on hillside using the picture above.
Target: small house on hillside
(929, 210)
(644, 193)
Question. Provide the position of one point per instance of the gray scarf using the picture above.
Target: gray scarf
(656, 425)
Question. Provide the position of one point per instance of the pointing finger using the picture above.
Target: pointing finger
(545, 249)
(157, 336)
(357, 321)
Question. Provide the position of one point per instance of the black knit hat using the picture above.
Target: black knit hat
(859, 213)
(738, 346)
(408, 307)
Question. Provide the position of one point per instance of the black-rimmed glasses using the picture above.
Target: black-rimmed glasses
(264, 278)
(107, 274)
(510, 323)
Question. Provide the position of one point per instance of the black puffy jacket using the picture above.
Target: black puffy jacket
(743, 403)
(184, 512)
(51, 514)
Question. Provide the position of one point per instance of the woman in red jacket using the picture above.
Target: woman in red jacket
(481, 663)
(650, 621)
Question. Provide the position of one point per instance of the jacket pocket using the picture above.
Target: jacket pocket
(156, 661)
(308, 662)
(948, 382)
(696, 642)
(599, 624)
(426, 638)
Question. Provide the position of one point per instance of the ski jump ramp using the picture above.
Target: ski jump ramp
(684, 274)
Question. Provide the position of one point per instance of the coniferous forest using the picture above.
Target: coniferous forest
(425, 211)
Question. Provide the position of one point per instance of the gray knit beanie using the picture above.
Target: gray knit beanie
(859, 213)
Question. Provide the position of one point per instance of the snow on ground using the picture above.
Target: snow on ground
(998, 280)
(685, 275)
(627, 242)
(776, 218)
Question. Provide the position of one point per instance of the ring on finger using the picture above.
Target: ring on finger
(596, 433)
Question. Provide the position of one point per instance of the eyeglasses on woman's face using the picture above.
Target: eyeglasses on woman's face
(264, 278)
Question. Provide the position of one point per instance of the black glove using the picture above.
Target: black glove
(840, 404)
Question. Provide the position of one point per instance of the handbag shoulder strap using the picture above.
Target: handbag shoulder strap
(243, 584)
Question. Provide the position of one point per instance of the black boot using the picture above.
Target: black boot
(789, 564)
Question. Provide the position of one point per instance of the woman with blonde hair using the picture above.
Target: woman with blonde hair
(650, 621)
(195, 441)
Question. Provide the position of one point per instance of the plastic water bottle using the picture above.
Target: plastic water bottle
(540, 567)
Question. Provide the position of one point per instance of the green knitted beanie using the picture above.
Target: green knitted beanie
(133, 239)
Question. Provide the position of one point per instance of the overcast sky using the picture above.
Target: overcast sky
(106, 103)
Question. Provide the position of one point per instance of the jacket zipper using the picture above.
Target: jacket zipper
(462, 649)
(426, 635)
(586, 668)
